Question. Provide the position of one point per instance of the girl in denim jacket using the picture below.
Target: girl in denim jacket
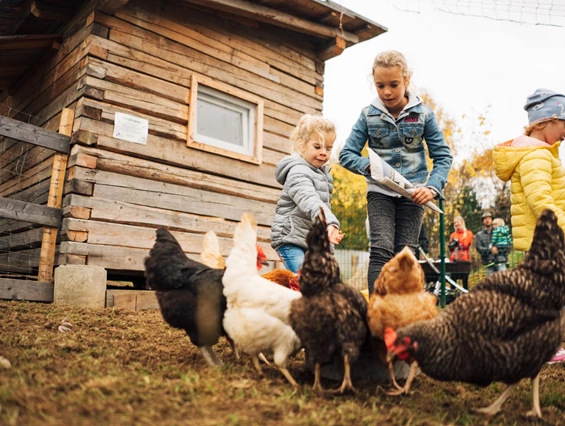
(395, 126)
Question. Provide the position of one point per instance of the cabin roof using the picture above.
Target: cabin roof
(31, 30)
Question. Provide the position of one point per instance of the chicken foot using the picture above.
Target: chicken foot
(210, 356)
(409, 380)
(317, 385)
(494, 408)
(346, 384)
(536, 410)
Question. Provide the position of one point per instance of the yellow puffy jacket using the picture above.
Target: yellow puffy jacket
(537, 182)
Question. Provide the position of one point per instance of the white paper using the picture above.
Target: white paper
(389, 178)
(131, 128)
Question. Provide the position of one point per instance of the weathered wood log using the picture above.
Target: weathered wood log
(29, 212)
(34, 135)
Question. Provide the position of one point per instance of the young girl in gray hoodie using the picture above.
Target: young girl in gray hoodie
(307, 186)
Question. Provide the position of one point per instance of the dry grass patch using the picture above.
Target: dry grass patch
(119, 367)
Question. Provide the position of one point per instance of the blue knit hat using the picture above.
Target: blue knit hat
(545, 104)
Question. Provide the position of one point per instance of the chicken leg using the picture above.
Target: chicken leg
(210, 356)
(288, 376)
(536, 410)
(317, 385)
(494, 408)
(233, 347)
(346, 384)
(392, 377)
(409, 380)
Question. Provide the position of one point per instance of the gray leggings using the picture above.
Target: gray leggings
(393, 223)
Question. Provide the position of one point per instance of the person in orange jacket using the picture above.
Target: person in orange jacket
(460, 241)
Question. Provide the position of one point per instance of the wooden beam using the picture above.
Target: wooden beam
(18, 42)
(275, 17)
(55, 200)
(25, 11)
(13, 289)
(111, 6)
(35, 135)
(333, 49)
(29, 212)
(50, 11)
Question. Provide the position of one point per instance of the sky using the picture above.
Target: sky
(469, 65)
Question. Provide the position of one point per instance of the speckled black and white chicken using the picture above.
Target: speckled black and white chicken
(330, 317)
(505, 329)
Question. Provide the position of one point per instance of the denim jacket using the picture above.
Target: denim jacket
(400, 143)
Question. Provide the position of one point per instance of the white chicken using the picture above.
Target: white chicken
(257, 315)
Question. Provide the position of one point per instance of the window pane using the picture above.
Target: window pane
(220, 122)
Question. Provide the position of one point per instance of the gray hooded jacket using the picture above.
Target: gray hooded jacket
(305, 189)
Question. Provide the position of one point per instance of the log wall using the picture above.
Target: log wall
(139, 61)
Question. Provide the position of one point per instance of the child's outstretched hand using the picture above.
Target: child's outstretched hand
(335, 235)
(422, 195)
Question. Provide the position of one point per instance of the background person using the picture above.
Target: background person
(482, 243)
(500, 244)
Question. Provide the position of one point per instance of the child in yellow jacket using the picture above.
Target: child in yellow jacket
(531, 163)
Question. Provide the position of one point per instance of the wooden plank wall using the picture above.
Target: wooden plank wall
(25, 170)
(140, 61)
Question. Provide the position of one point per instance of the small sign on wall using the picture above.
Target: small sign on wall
(130, 128)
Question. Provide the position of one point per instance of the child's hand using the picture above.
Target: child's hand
(494, 250)
(422, 195)
(335, 235)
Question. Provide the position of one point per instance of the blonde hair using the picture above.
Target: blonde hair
(392, 58)
(539, 125)
(498, 222)
(307, 125)
(462, 223)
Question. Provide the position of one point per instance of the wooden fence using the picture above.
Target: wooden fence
(49, 215)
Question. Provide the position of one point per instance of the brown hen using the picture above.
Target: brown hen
(330, 317)
(398, 300)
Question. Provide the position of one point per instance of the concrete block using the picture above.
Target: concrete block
(80, 285)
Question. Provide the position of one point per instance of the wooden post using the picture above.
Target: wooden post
(49, 241)
(354, 264)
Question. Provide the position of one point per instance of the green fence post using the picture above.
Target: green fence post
(442, 253)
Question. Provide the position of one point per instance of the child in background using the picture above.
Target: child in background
(307, 186)
(395, 125)
(531, 162)
(500, 244)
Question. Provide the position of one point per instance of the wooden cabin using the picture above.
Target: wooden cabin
(181, 109)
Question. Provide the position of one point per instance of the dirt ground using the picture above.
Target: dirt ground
(120, 367)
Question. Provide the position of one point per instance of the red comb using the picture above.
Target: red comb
(389, 338)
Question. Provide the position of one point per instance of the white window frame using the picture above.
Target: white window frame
(238, 100)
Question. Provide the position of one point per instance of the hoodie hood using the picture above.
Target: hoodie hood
(284, 166)
(413, 100)
(507, 155)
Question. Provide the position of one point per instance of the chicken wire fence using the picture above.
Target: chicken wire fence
(353, 255)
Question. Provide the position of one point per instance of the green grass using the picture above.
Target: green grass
(119, 367)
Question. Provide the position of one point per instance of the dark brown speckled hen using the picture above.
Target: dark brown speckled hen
(330, 317)
(505, 329)
(189, 293)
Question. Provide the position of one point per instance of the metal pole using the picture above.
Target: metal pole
(442, 253)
